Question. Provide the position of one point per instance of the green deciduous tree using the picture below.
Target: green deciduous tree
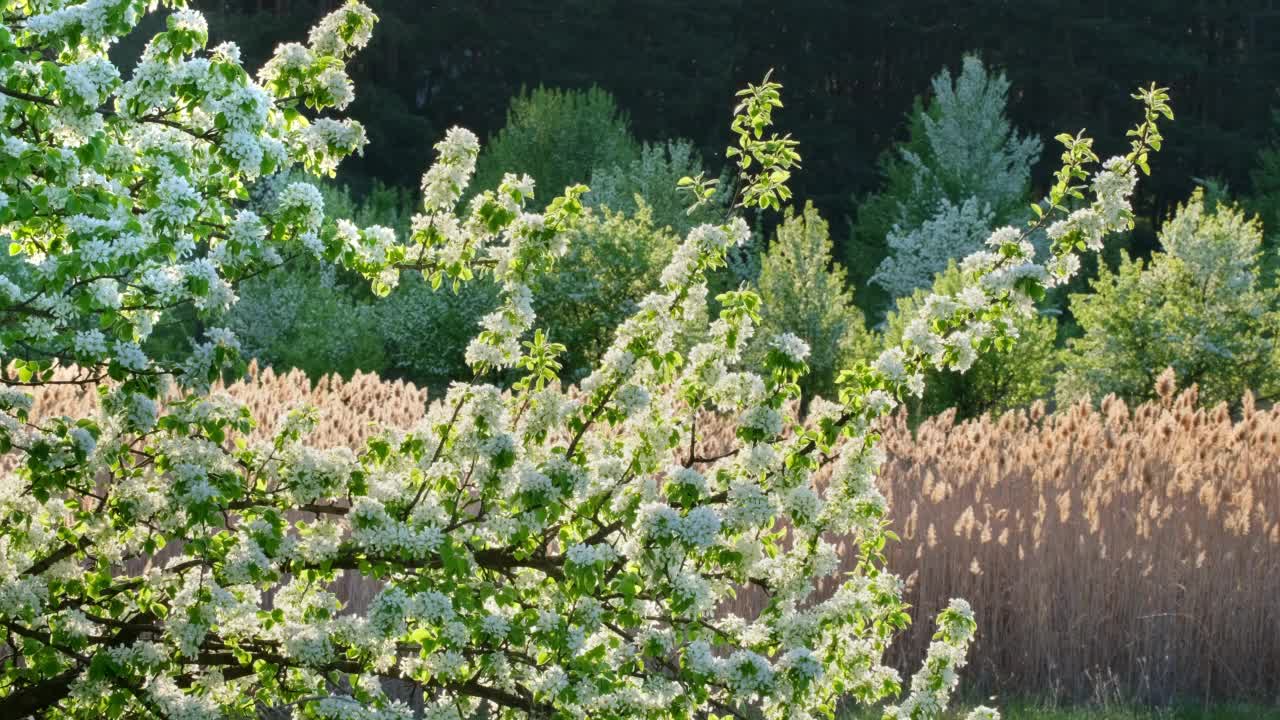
(614, 260)
(652, 177)
(1196, 306)
(803, 292)
(558, 137)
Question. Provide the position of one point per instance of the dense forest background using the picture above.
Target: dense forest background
(851, 71)
(923, 125)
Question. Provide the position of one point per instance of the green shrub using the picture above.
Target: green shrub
(305, 318)
(426, 331)
(319, 320)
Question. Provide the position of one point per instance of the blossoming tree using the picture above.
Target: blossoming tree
(965, 167)
(538, 551)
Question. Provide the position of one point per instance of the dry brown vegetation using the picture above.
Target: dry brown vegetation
(350, 410)
(1112, 550)
(1107, 552)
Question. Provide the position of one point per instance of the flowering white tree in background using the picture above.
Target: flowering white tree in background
(970, 170)
(540, 552)
(921, 251)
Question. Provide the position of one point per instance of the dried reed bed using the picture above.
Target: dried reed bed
(350, 410)
(1107, 552)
